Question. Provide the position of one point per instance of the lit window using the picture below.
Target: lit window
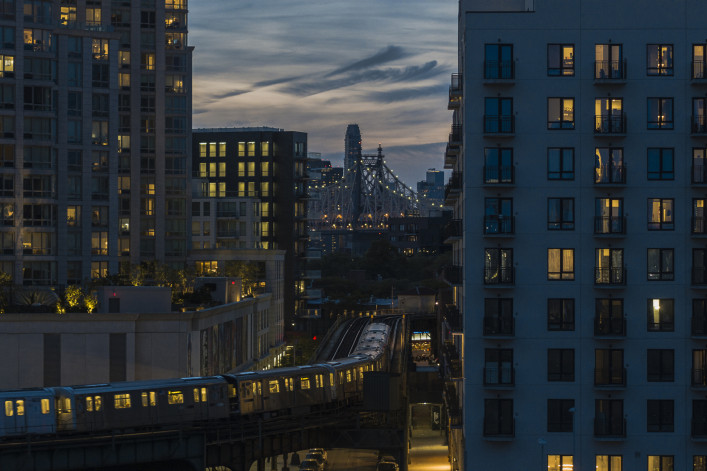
(661, 264)
(9, 409)
(98, 402)
(304, 383)
(241, 149)
(89, 404)
(560, 113)
(608, 62)
(202, 149)
(609, 165)
(175, 397)
(274, 386)
(660, 463)
(45, 406)
(659, 59)
(660, 214)
(196, 395)
(560, 60)
(265, 148)
(251, 149)
(660, 113)
(560, 264)
(121, 401)
(204, 395)
(608, 462)
(661, 315)
(559, 463)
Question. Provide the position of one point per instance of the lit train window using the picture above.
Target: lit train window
(348, 376)
(204, 396)
(317, 381)
(304, 383)
(20, 406)
(274, 386)
(98, 402)
(196, 395)
(9, 409)
(143, 397)
(63, 405)
(290, 384)
(360, 372)
(331, 379)
(121, 401)
(175, 397)
(89, 404)
(45, 406)
(231, 391)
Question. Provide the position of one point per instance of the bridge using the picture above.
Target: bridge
(237, 443)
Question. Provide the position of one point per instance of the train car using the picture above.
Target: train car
(27, 411)
(149, 404)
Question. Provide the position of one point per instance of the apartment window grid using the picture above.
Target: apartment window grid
(609, 317)
(661, 214)
(560, 113)
(560, 314)
(661, 264)
(608, 62)
(661, 315)
(660, 113)
(560, 364)
(560, 264)
(498, 61)
(560, 462)
(660, 365)
(560, 60)
(560, 163)
(560, 415)
(560, 214)
(659, 59)
(661, 163)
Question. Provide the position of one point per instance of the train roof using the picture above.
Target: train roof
(146, 384)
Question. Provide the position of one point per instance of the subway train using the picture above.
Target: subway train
(170, 403)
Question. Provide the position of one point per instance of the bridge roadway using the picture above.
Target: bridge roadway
(235, 443)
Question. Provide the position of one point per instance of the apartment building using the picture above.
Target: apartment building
(578, 155)
(95, 112)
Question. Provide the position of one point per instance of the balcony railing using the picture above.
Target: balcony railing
(455, 136)
(453, 274)
(699, 427)
(609, 225)
(610, 376)
(499, 70)
(699, 324)
(610, 70)
(699, 124)
(609, 276)
(699, 379)
(610, 124)
(451, 399)
(455, 92)
(699, 173)
(609, 428)
(494, 124)
(610, 173)
(609, 326)
(453, 318)
(452, 230)
(494, 427)
(499, 375)
(498, 224)
(499, 276)
(698, 72)
(499, 325)
(452, 364)
(699, 276)
(499, 174)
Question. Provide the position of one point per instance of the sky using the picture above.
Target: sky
(317, 65)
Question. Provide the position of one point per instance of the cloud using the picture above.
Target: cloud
(221, 96)
(389, 54)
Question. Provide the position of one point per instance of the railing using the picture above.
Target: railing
(699, 276)
(699, 324)
(610, 70)
(698, 70)
(699, 173)
(499, 174)
(610, 124)
(609, 276)
(499, 428)
(610, 376)
(699, 379)
(499, 375)
(611, 326)
(455, 91)
(453, 318)
(498, 224)
(494, 124)
(499, 325)
(610, 173)
(452, 274)
(699, 124)
(663, 325)
(609, 225)
(453, 229)
(697, 225)
(451, 399)
(609, 427)
(455, 136)
(499, 276)
(499, 70)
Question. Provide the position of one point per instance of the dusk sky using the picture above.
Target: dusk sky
(316, 66)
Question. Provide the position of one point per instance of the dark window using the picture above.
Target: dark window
(609, 165)
(560, 163)
(609, 367)
(498, 216)
(660, 415)
(560, 60)
(608, 62)
(560, 314)
(560, 214)
(699, 365)
(560, 113)
(100, 75)
(661, 264)
(699, 418)
(498, 115)
(699, 166)
(661, 315)
(659, 59)
(609, 317)
(699, 266)
(661, 365)
(660, 113)
(699, 316)
(698, 216)
(560, 415)
(660, 163)
(660, 214)
(498, 165)
(498, 417)
(498, 316)
(498, 61)
(699, 111)
(560, 364)
(498, 266)
(609, 418)
(498, 366)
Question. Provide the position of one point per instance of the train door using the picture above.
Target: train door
(271, 395)
(90, 414)
(15, 420)
(39, 409)
(65, 413)
(247, 397)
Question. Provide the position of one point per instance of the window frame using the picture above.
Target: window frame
(562, 174)
(662, 419)
(564, 273)
(613, 170)
(559, 54)
(499, 155)
(562, 309)
(662, 224)
(556, 367)
(663, 325)
(503, 68)
(561, 123)
(560, 223)
(662, 173)
(659, 69)
(663, 273)
(662, 104)
(657, 369)
(560, 408)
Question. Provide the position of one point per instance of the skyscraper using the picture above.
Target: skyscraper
(95, 108)
(352, 146)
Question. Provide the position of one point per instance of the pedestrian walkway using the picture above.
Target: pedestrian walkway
(427, 450)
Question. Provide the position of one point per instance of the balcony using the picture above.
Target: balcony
(453, 188)
(699, 277)
(499, 326)
(699, 379)
(455, 92)
(499, 375)
(610, 428)
(455, 136)
(499, 276)
(451, 400)
(499, 72)
(499, 224)
(609, 72)
(609, 326)
(499, 126)
(615, 377)
(453, 318)
(451, 154)
(698, 226)
(698, 325)
(699, 174)
(698, 125)
(496, 175)
(499, 429)
(452, 274)
(609, 225)
(452, 364)
(698, 75)
(610, 173)
(610, 125)
(609, 277)
(452, 231)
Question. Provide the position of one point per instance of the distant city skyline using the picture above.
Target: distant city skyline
(319, 66)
